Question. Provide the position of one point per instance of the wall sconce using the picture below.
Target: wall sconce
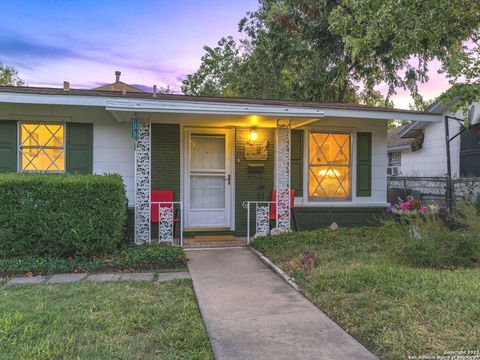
(253, 135)
(134, 125)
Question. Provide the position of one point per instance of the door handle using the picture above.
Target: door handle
(227, 179)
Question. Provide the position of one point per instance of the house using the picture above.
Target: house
(419, 149)
(118, 85)
(213, 153)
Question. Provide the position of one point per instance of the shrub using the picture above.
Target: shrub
(60, 214)
(144, 257)
(428, 243)
(152, 256)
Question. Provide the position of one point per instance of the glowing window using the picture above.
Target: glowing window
(329, 166)
(42, 147)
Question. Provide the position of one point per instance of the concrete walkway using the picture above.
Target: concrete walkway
(251, 313)
(67, 278)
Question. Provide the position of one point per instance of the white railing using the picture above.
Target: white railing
(262, 217)
(167, 220)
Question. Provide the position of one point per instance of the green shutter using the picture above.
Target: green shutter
(364, 164)
(8, 146)
(296, 175)
(79, 148)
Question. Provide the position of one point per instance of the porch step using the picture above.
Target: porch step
(207, 232)
(210, 238)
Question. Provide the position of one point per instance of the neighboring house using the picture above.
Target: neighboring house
(214, 153)
(118, 85)
(418, 149)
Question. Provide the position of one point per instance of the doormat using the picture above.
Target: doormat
(206, 238)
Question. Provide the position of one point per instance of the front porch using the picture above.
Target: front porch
(210, 175)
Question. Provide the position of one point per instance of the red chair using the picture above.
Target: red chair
(165, 196)
(273, 206)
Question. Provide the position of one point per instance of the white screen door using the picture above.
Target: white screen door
(208, 180)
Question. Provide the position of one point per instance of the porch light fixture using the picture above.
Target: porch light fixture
(134, 125)
(253, 135)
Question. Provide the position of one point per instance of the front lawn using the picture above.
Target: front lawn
(123, 320)
(392, 307)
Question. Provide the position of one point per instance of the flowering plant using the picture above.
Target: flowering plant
(413, 208)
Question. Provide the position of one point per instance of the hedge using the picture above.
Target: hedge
(158, 257)
(60, 214)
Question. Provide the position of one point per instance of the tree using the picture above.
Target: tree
(217, 72)
(9, 76)
(343, 50)
(165, 90)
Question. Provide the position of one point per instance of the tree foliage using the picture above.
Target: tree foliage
(9, 76)
(343, 50)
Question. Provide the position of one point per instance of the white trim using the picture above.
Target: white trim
(117, 103)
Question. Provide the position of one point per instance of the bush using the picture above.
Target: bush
(429, 243)
(157, 256)
(143, 257)
(60, 214)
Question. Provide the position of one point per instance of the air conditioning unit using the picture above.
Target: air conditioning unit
(393, 170)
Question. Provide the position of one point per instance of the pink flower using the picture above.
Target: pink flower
(423, 209)
(405, 205)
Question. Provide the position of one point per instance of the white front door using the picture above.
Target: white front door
(208, 180)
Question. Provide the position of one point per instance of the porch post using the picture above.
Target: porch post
(283, 174)
(142, 183)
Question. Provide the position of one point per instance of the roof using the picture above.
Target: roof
(438, 107)
(118, 86)
(176, 97)
(396, 142)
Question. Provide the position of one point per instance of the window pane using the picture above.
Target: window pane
(329, 168)
(329, 182)
(43, 160)
(42, 147)
(207, 192)
(208, 152)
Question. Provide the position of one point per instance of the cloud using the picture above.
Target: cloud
(16, 47)
(28, 53)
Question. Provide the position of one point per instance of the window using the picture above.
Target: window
(329, 175)
(394, 163)
(42, 147)
(395, 158)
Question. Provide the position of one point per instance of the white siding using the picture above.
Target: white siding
(431, 160)
(113, 150)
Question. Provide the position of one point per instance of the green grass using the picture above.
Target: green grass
(84, 320)
(394, 309)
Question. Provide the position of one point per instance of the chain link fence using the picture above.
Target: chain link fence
(432, 189)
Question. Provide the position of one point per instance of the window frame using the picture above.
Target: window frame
(351, 169)
(20, 147)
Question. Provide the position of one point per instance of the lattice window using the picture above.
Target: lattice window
(329, 171)
(41, 147)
